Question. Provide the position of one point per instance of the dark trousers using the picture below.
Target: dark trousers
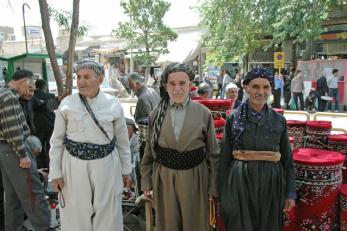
(277, 98)
(334, 93)
(23, 193)
(43, 157)
(321, 104)
(299, 96)
(219, 91)
(287, 96)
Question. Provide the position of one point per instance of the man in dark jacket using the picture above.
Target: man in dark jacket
(44, 120)
(322, 90)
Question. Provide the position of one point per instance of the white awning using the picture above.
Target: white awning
(184, 49)
(80, 48)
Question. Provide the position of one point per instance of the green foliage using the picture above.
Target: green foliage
(146, 31)
(64, 18)
(237, 27)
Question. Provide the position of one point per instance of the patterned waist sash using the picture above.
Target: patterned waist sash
(88, 151)
(247, 155)
(179, 160)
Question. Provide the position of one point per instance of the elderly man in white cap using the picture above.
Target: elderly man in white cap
(232, 92)
(90, 159)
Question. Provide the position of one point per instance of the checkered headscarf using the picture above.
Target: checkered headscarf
(91, 65)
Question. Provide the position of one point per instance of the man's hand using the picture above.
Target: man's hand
(58, 184)
(25, 162)
(148, 193)
(288, 205)
(126, 181)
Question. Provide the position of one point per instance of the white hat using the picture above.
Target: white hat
(230, 86)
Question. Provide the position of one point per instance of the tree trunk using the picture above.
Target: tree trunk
(50, 46)
(294, 55)
(72, 44)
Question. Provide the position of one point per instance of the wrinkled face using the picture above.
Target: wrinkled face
(88, 82)
(258, 89)
(24, 85)
(134, 86)
(30, 91)
(178, 86)
(232, 93)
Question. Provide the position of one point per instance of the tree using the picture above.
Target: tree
(238, 27)
(146, 29)
(44, 10)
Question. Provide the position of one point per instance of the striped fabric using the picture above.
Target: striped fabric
(13, 127)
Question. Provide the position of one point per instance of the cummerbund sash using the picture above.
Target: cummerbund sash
(247, 155)
(88, 151)
(179, 160)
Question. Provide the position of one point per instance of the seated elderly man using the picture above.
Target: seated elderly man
(232, 92)
(204, 91)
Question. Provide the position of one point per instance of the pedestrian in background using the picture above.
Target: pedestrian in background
(44, 117)
(226, 80)
(277, 90)
(297, 89)
(220, 83)
(322, 90)
(334, 90)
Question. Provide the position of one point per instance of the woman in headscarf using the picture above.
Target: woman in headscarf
(181, 157)
(257, 173)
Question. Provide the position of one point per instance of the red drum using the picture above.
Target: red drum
(318, 181)
(279, 110)
(219, 125)
(292, 140)
(297, 130)
(317, 133)
(338, 143)
(216, 105)
(343, 207)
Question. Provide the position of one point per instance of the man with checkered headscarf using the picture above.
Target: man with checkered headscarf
(181, 156)
(90, 159)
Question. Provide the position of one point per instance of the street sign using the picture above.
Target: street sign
(279, 59)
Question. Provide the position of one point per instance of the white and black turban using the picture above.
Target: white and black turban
(90, 65)
(158, 117)
(172, 68)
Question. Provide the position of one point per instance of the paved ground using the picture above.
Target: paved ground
(132, 222)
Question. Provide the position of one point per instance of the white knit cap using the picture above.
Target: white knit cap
(230, 86)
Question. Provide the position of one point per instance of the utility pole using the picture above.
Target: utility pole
(25, 29)
(131, 49)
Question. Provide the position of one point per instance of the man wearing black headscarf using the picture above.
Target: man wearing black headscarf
(181, 155)
(257, 174)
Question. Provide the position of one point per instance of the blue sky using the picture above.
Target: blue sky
(102, 15)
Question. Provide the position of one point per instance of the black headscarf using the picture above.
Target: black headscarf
(259, 72)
